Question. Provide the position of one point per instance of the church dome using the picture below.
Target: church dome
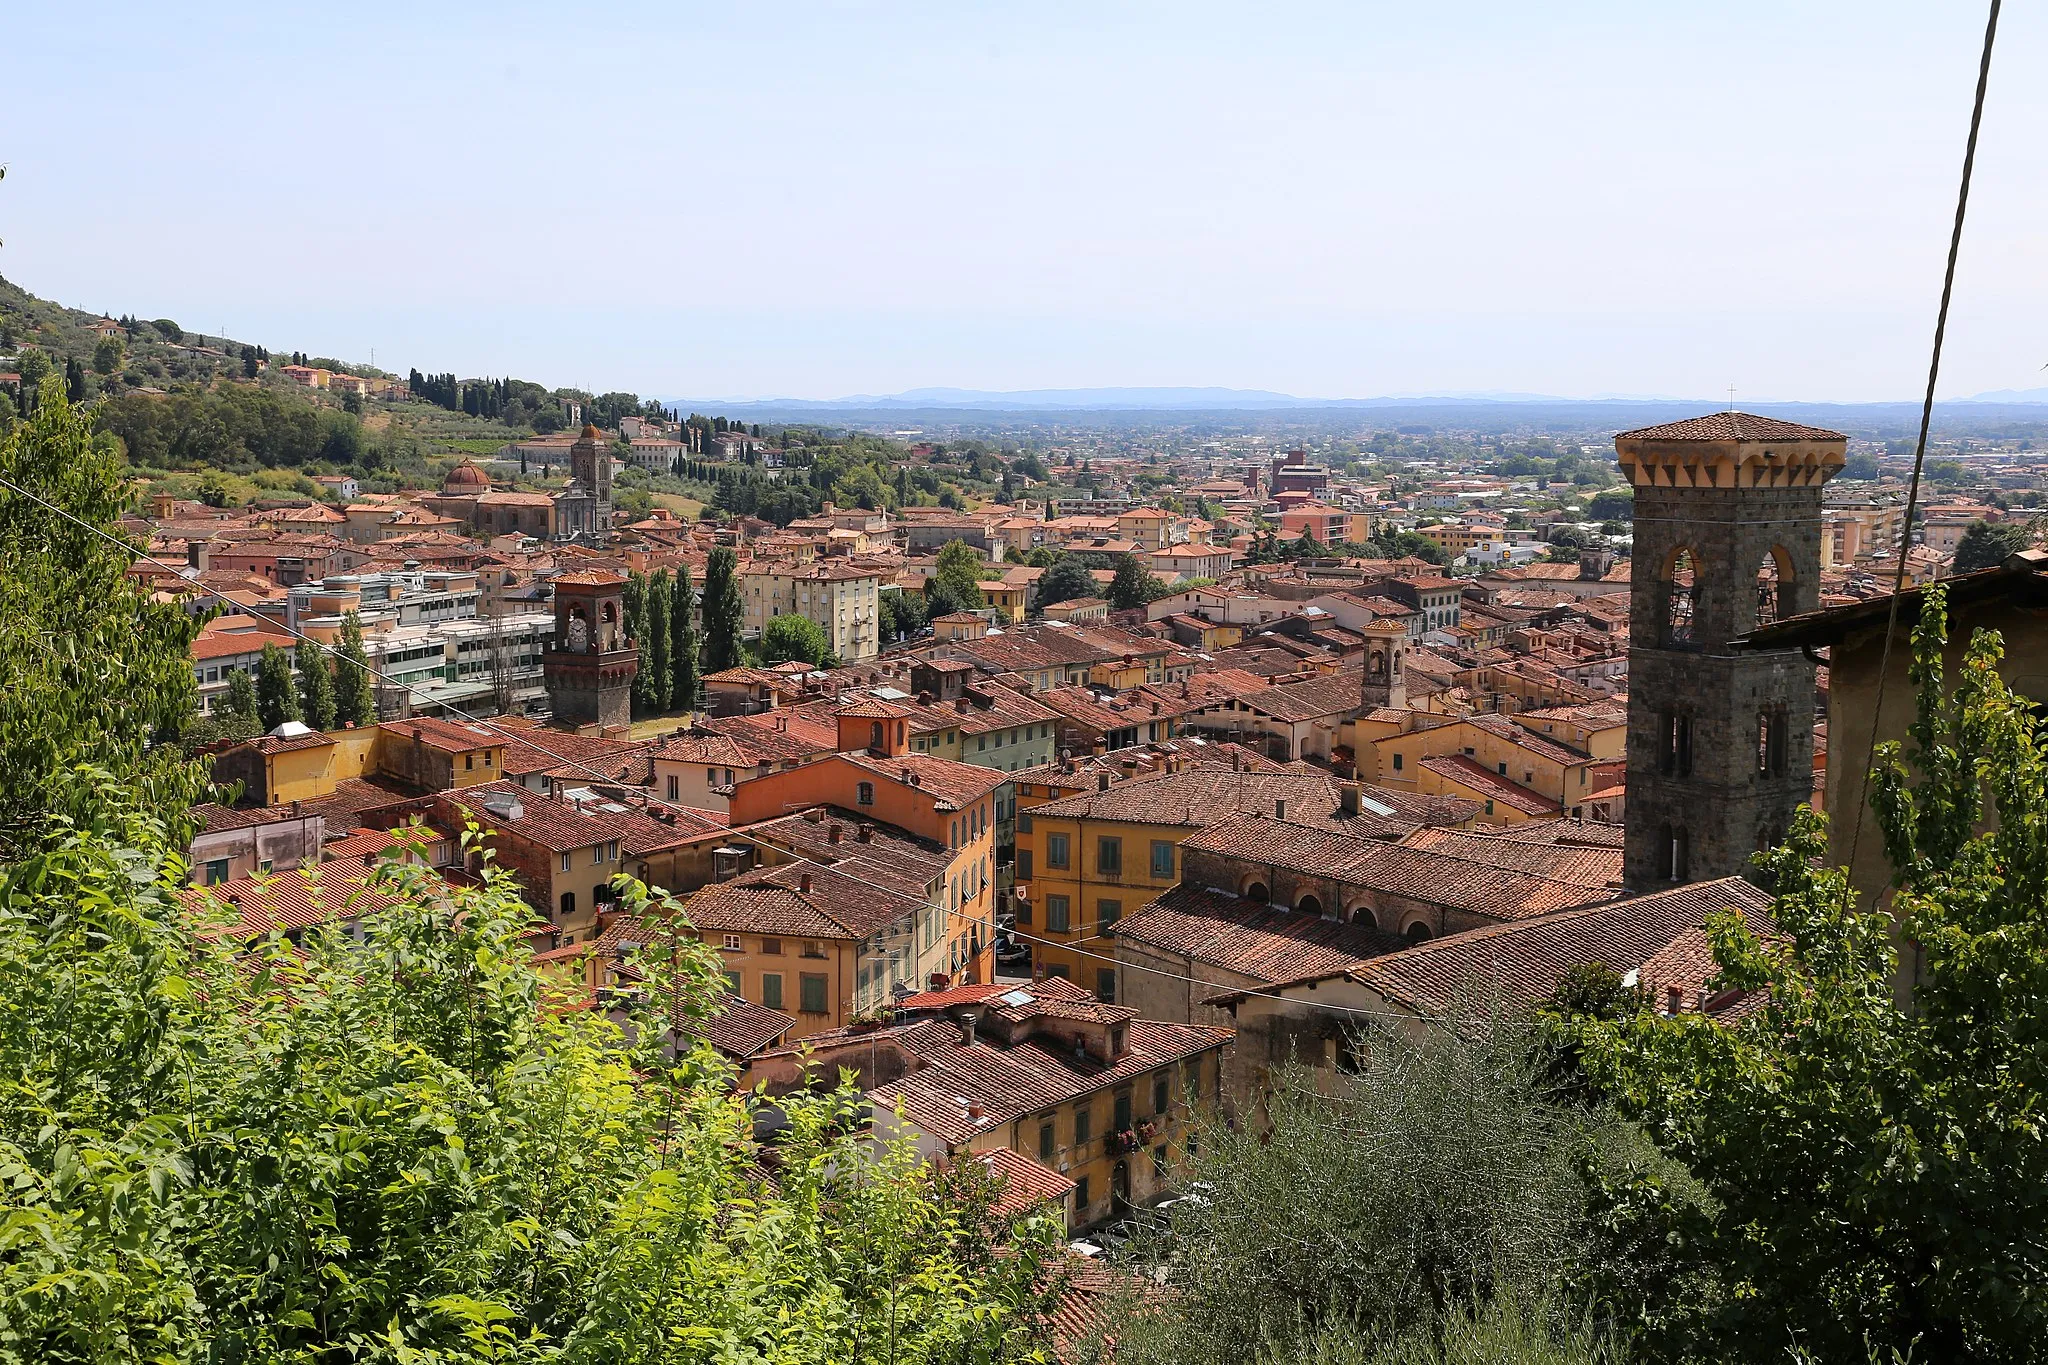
(466, 478)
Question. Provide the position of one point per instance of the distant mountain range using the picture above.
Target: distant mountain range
(1242, 400)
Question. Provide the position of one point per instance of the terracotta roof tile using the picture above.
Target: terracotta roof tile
(1523, 963)
(1252, 938)
(1730, 426)
(1455, 881)
(1477, 777)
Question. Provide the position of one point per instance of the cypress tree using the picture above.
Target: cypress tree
(656, 653)
(724, 612)
(277, 700)
(316, 686)
(683, 644)
(636, 628)
(356, 690)
(241, 697)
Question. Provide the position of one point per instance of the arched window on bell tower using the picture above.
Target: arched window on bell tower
(1680, 584)
(1773, 586)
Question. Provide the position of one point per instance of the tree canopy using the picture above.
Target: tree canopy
(1986, 544)
(1875, 1174)
(795, 637)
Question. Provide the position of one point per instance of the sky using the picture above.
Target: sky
(821, 199)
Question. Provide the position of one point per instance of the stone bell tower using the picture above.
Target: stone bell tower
(1727, 537)
(591, 662)
(1381, 685)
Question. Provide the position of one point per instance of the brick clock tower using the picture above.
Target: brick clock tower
(1727, 537)
(590, 663)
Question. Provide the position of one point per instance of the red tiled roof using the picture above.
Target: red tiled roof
(1251, 938)
(1008, 1083)
(1730, 426)
(1445, 879)
(1598, 866)
(950, 784)
(742, 1028)
(313, 895)
(1523, 963)
(1022, 1183)
(444, 735)
(1476, 777)
(559, 826)
(1329, 695)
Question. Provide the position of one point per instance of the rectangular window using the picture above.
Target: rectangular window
(811, 993)
(1121, 1122)
(216, 871)
(469, 762)
(597, 856)
(813, 948)
(771, 990)
(1024, 912)
(731, 943)
(1162, 1090)
(772, 947)
(1058, 969)
(1023, 864)
(1105, 985)
(732, 981)
(1107, 912)
(1397, 762)
(1056, 914)
(1045, 1147)
(1024, 817)
(1080, 1194)
(675, 788)
(1109, 855)
(567, 866)
(1084, 1126)
(1162, 859)
(1056, 850)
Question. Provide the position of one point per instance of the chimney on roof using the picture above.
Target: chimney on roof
(832, 832)
(1102, 782)
(1347, 798)
(867, 834)
(1280, 808)
(815, 814)
(967, 1040)
(803, 884)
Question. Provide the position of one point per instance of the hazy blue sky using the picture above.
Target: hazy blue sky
(819, 199)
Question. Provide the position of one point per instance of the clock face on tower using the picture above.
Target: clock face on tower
(579, 635)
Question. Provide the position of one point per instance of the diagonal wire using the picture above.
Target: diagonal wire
(1948, 282)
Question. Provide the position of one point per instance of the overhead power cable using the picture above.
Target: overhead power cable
(1948, 282)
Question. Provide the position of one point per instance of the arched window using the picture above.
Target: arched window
(1674, 748)
(875, 735)
(1770, 743)
(1255, 891)
(1680, 581)
(1417, 932)
(568, 903)
(1677, 853)
(1362, 915)
(1309, 905)
(1773, 586)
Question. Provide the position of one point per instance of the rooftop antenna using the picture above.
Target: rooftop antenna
(1731, 398)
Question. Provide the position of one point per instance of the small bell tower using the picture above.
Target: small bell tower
(591, 661)
(1386, 646)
